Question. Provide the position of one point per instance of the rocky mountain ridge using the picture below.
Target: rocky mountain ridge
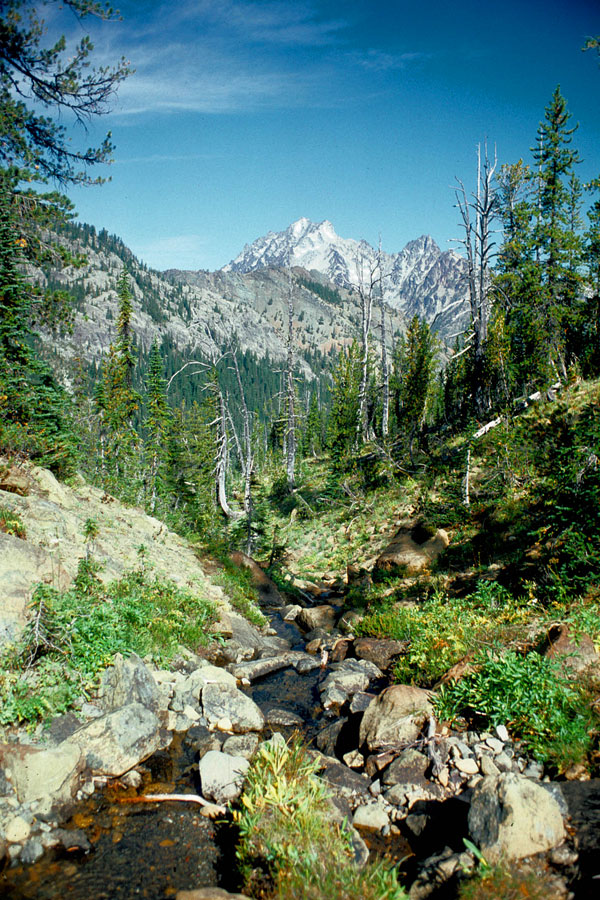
(200, 313)
(419, 280)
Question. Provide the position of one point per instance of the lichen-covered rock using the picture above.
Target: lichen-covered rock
(53, 772)
(413, 549)
(395, 717)
(222, 775)
(128, 681)
(223, 701)
(120, 740)
(512, 817)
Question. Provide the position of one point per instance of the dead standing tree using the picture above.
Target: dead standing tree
(477, 217)
(290, 442)
(369, 277)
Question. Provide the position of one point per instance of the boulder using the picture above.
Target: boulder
(54, 773)
(408, 768)
(576, 652)
(128, 681)
(317, 617)
(267, 591)
(380, 652)
(395, 717)
(197, 680)
(223, 701)
(412, 550)
(511, 817)
(222, 775)
(117, 742)
(346, 679)
(370, 817)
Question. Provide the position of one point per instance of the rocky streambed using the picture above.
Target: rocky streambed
(78, 819)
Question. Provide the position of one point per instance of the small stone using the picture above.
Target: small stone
(488, 766)
(443, 776)
(502, 733)
(31, 852)
(467, 766)
(417, 823)
(17, 830)
(533, 770)
(503, 762)
(132, 779)
(495, 745)
(371, 817)
(375, 787)
(464, 749)
(191, 713)
(224, 724)
(354, 759)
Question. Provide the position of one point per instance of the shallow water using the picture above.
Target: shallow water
(147, 851)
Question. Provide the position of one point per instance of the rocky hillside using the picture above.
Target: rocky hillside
(200, 313)
(50, 540)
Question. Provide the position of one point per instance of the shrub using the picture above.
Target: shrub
(72, 635)
(287, 836)
(533, 697)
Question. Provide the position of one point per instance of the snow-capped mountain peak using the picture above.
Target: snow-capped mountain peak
(419, 279)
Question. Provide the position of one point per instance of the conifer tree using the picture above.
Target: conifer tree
(345, 406)
(34, 413)
(157, 425)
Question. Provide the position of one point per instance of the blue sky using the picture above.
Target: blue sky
(244, 115)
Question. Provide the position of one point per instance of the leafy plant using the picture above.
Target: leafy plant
(10, 523)
(287, 837)
(72, 635)
(530, 694)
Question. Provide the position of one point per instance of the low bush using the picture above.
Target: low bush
(533, 696)
(442, 630)
(289, 845)
(73, 634)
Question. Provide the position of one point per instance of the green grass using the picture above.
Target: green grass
(289, 848)
(72, 635)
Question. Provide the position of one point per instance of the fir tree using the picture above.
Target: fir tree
(157, 425)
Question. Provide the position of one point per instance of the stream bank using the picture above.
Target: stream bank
(412, 788)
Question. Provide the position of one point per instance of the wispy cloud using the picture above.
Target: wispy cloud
(380, 61)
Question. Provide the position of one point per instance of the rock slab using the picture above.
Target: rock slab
(512, 817)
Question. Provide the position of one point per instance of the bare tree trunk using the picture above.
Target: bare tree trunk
(247, 461)
(365, 292)
(385, 372)
(478, 250)
(222, 459)
(291, 415)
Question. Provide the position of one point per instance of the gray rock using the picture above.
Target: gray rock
(408, 768)
(306, 664)
(54, 773)
(370, 817)
(222, 701)
(128, 681)
(380, 652)
(199, 678)
(258, 668)
(395, 717)
(502, 732)
(120, 740)
(488, 766)
(317, 617)
(222, 775)
(495, 744)
(360, 701)
(241, 745)
(503, 762)
(283, 718)
(511, 817)
(31, 852)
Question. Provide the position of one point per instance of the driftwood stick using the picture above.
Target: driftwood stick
(213, 808)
